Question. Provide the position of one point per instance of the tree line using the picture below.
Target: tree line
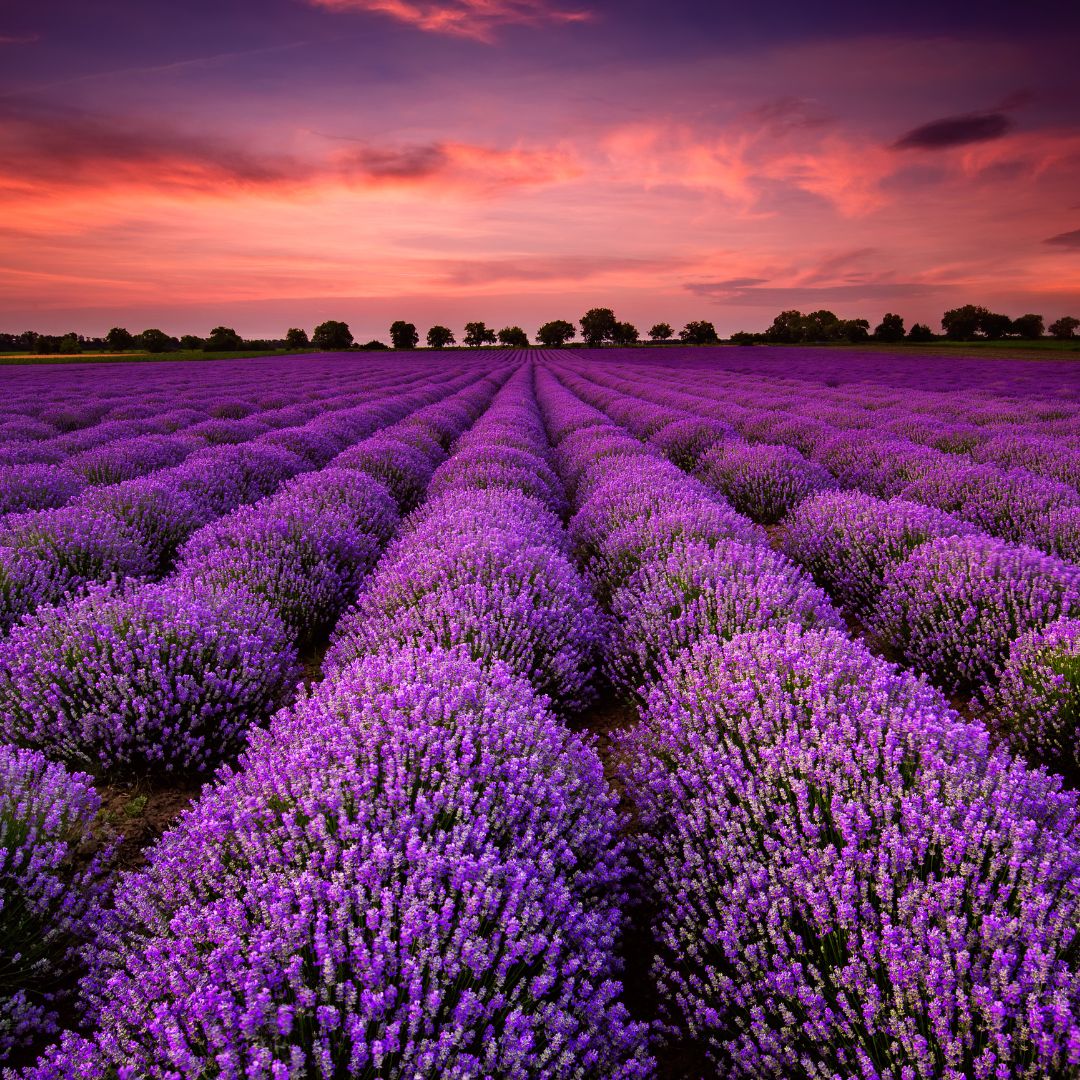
(598, 326)
(968, 323)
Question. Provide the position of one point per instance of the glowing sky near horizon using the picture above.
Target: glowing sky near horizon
(273, 164)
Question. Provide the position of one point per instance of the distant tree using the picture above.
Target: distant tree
(891, 328)
(154, 341)
(191, 341)
(373, 346)
(995, 326)
(403, 335)
(625, 334)
(119, 340)
(513, 337)
(853, 330)
(1029, 327)
(920, 332)
(69, 344)
(597, 326)
(1065, 327)
(555, 334)
(438, 337)
(821, 326)
(787, 328)
(295, 338)
(963, 323)
(477, 334)
(662, 331)
(332, 336)
(699, 333)
(223, 339)
(744, 337)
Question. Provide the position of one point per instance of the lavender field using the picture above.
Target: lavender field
(617, 713)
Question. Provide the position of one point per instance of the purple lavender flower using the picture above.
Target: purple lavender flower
(850, 541)
(953, 607)
(146, 678)
(415, 872)
(37, 487)
(761, 480)
(46, 888)
(696, 591)
(1036, 703)
(847, 884)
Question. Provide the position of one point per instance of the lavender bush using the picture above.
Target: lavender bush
(47, 888)
(953, 607)
(847, 883)
(153, 678)
(1036, 703)
(415, 872)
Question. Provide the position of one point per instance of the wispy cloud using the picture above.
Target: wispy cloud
(956, 131)
(19, 39)
(475, 19)
(1065, 240)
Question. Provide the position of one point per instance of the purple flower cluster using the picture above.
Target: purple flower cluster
(414, 872)
(762, 480)
(954, 605)
(47, 887)
(696, 591)
(35, 486)
(847, 884)
(484, 565)
(850, 541)
(1036, 703)
(151, 678)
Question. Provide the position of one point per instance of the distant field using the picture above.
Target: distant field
(137, 357)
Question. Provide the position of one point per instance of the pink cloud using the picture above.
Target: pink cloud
(476, 19)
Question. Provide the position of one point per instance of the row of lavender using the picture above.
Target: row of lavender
(133, 528)
(415, 870)
(978, 614)
(171, 676)
(848, 880)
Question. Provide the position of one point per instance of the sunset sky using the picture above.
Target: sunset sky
(273, 163)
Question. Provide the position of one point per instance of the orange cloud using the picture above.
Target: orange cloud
(476, 19)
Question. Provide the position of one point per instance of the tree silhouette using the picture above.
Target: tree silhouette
(331, 336)
(1065, 327)
(513, 337)
(119, 340)
(625, 334)
(296, 338)
(662, 331)
(403, 335)
(555, 334)
(597, 326)
(223, 339)
(477, 334)
(438, 337)
(698, 332)
(891, 328)
(154, 340)
(1029, 327)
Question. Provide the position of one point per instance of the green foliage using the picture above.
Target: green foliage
(891, 328)
(598, 325)
(699, 333)
(477, 334)
(438, 337)
(625, 334)
(403, 335)
(555, 334)
(223, 339)
(513, 337)
(118, 339)
(332, 336)
(155, 341)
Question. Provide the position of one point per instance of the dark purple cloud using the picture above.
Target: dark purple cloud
(1065, 239)
(956, 131)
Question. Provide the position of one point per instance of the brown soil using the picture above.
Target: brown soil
(675, 1059)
